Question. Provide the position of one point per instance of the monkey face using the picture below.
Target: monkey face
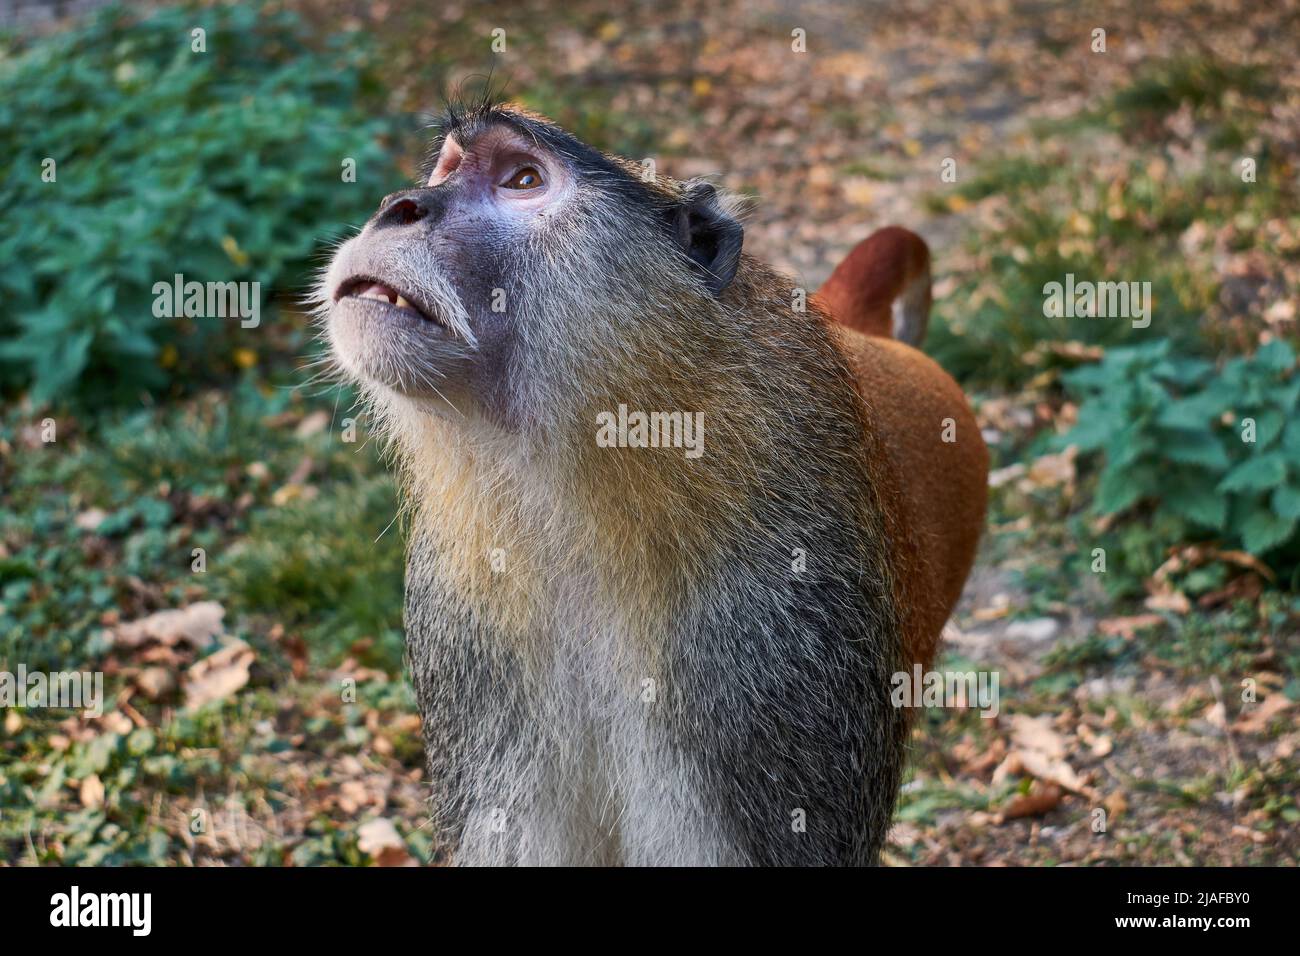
(420, 300)
(525, 260)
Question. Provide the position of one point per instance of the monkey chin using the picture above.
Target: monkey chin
(400, 350)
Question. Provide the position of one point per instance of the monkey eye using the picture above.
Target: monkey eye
(526, 178)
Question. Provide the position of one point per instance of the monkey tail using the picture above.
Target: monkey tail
(883, 286)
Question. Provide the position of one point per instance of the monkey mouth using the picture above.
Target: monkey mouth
(370, 288)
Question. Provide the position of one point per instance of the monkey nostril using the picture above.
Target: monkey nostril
(403, 212)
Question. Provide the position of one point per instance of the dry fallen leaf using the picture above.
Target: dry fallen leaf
(1126, 627)
(287, 494)
(1041, 798)
(353, 795)
(116, 722)
(1196, 555)
(1079, 351)
(1035, 630)
(296, 649)
(380, 840)
(904, 834)
(155, 682)
(999, 606)
(1100, 745)
(1039, 750)
(312, 424)
(1115, 804)
(858, 191)
(395, 856)
(1288, 745)
(1175, 601)
(1216, 715)
(1048, 471)
(1001, 476)
(92, 792)
(374, 835)
(1037, 733)
(90, 519)
(1258, 717)
(1244, 587)
(198, 624)
(1282, 310)
(218, 676)
(976, 762)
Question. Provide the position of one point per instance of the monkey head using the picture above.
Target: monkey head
(529, 271)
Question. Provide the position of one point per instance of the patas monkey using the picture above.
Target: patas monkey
(624, 652)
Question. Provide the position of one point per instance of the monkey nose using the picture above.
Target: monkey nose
(402, 211)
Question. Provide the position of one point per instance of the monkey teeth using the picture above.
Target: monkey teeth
(364, 288)
(382, 293)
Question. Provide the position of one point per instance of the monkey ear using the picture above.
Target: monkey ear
(709, 235)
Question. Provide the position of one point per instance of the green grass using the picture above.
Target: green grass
(1078, 204)
(201, 475)
(311, 568)
(1212, 88)
(1230, 642)
(331, 566)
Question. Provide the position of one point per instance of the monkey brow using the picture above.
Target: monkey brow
(469, 123)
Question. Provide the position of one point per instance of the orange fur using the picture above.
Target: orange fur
(938, 489)
(862, 288)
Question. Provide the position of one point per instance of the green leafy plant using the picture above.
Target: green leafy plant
(127, 156)
(1215, 451)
